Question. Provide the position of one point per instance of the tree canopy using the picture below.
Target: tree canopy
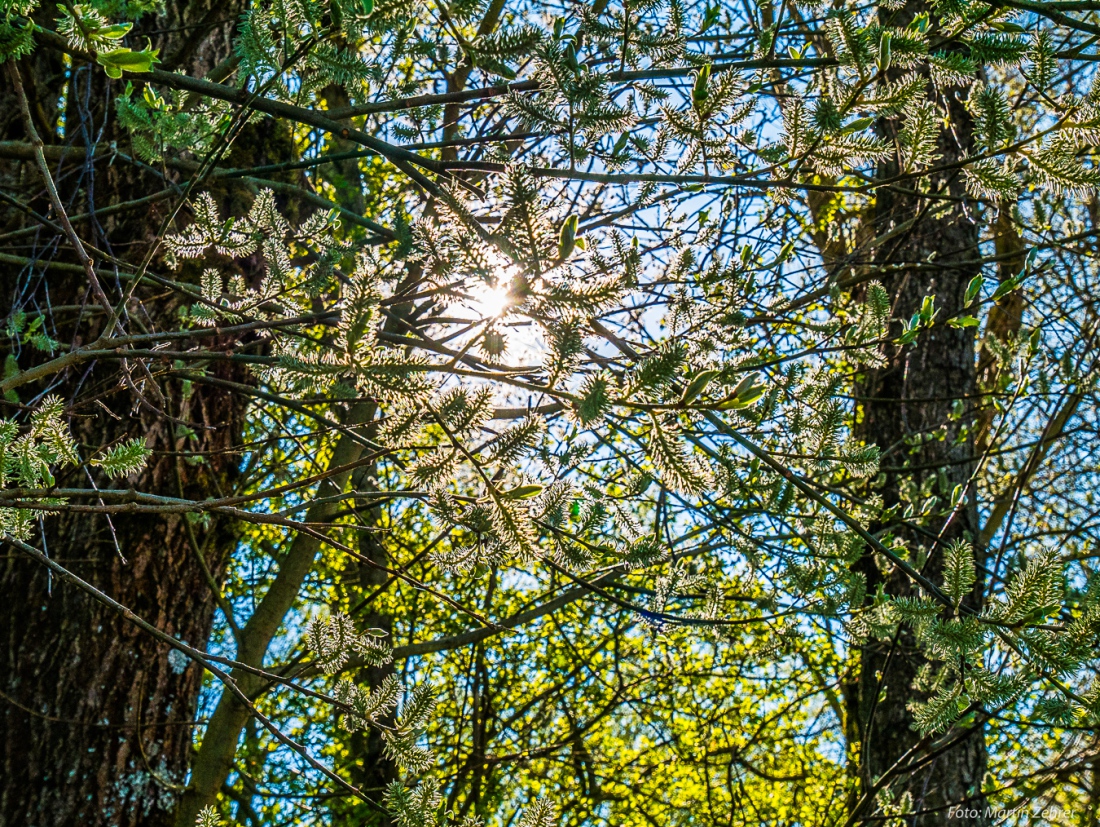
(632, 412)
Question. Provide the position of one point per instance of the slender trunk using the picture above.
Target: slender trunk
(371, 770)
(214, 760)
(917, 409)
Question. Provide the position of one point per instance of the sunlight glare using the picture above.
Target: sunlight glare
(490, 301)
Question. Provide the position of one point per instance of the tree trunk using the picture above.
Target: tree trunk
(910, 409)
(97, 717)
(98, 720)
(371, 770)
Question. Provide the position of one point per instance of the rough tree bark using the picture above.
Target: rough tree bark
(910, 409)
(98, 718)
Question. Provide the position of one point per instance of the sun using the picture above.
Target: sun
(488, 309)
(490, 301)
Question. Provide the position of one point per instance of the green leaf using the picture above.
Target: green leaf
(567, 238)
(1006, 26)
(711, 17)
(697, 385)
(780, 257)
(570, 56)
(1007, 286)
(973, 289)
(1033, 341)
(116, 31)
(858, 125)
(745, 394)
(700, 89)
(908, 336)
(522, 492)
(963, 321)
(11, 370)
(956, 494)
(884, 54)
(927, 310)
(119, 60)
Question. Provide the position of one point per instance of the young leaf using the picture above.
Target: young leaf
(567, 238)
(858, 125)
(963, 321)
(973, 289)
(118, 60)
(700, 90)
(884, 52)
(522, 492)
(744, 394)
(697, 385)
